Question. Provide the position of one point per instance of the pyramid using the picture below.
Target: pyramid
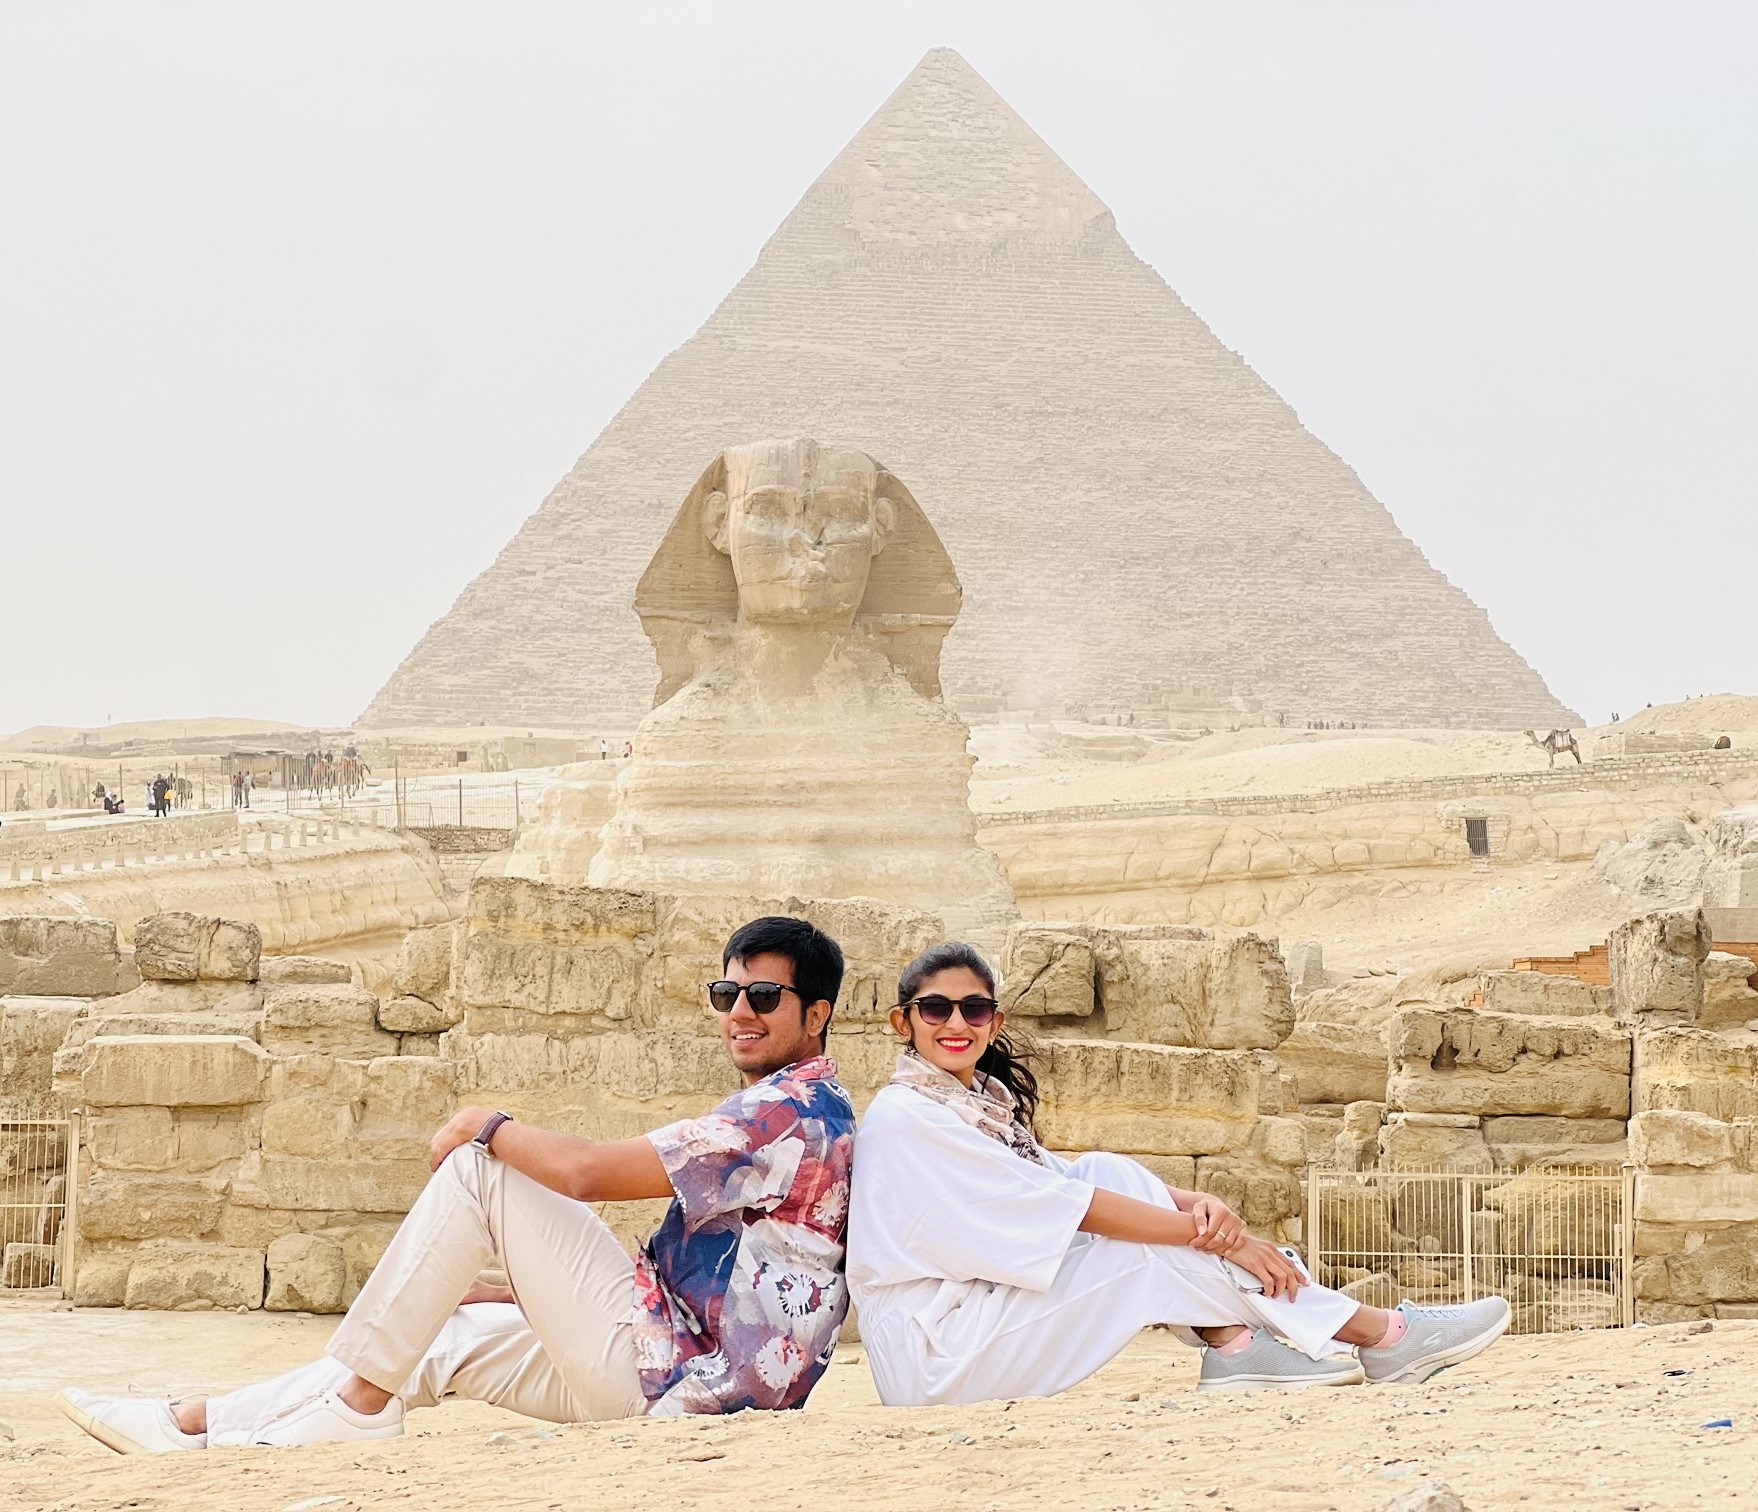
(1126, 502)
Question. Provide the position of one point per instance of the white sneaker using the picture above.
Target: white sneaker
(1438, 1337)
(327, 1419)
(1268, 1362)
(129, 1425)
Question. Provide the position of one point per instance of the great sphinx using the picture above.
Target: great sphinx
(798, 745)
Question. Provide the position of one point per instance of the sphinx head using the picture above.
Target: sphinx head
(802, 524)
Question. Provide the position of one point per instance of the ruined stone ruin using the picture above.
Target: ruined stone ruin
(249, 1129)
(800, 747)
(1125, 498)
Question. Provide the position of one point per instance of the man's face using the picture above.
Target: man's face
(760, 1043)
(802, 527)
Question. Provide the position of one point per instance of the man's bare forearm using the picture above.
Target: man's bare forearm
(588, 1170)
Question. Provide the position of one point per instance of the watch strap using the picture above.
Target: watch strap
(485, 1138)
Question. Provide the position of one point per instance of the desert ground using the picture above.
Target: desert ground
(1588, 1421)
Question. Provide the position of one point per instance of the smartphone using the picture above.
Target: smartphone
(1245, 1281)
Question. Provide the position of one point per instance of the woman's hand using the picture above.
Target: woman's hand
(1280, 1275)
(460, 1129)
(1218, 1227)
(486, 1291)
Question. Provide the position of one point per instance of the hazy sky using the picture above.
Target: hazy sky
(304, 307)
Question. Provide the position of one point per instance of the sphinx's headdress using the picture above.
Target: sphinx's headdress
(911, 600)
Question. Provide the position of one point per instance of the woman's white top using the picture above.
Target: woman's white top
(944, 1222)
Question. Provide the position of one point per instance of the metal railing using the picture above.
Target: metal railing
(37, 1176)
(1557, 1241)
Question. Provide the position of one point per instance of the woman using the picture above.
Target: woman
(984, 1266)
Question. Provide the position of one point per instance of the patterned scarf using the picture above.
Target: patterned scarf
(987, 1106)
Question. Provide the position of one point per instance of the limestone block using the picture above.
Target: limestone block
(1723, 1268)
(1697, 1071)
(1146, 1099)
(330, 1185)
(1047, 973)
(1305, 960)
(209, 1137)
(32, 1029)
(182, 1277)
(1464, 1061)
(314, 1125)
(332, 1020)
(1540, 995)
(1697, 1197)
(1355, 1224)
(424, 964)
(414, 1015)
(1175, 985)
(185, 947)
(1521, 1143)
(1280, 1141)
(28, 1265)
(132, 1139)
(420, 1044)
(1263, 1195)
(118, 1205)
(172, 1000)
(307, 1273)
(310, 971)
(400, 1102)
(1728, 998)
(1667, 1137)
(1657, 966)
(1175, 1170)
(131, 1071)
(47, 956)
(1411, 1142)
(103, 1278)
(1336, 1063)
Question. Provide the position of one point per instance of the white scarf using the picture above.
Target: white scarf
(987, 1106)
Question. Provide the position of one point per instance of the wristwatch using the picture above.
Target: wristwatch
(485, 1139)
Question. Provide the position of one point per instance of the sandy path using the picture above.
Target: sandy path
(1583, 1421)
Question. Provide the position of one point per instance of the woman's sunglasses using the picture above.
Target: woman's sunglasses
(935, 1009)
(764, 997)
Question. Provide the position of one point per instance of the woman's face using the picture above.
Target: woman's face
(953, 1046)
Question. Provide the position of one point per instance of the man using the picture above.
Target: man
(735, 1302)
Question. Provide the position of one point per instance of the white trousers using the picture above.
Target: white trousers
(564, 1353)
(1004, 1341)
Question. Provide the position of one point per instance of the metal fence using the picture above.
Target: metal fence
(36, 1175)
(415, 803)
(1557, 1242)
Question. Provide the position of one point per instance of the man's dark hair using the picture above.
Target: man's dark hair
(817, 958)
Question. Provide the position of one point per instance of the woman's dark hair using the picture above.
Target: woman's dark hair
(1006, 1057)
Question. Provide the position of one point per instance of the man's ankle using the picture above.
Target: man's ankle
(365, 1398)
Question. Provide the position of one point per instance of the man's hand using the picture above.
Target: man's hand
(1280, 1275)
(1218, 1227)
(460, 1129)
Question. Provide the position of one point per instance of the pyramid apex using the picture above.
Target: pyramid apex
(945, 158)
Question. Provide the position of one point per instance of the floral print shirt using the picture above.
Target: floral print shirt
(740, 1293)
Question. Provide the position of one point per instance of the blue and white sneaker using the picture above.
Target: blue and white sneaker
(1436, 1338)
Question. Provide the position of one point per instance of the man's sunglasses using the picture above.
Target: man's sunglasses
(764, 997)
(935, 1009)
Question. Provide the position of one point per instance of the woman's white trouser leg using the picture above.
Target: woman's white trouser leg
(574, 1283)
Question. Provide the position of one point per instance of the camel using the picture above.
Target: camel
(1556, 741)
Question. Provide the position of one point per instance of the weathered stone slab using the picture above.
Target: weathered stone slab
(1698, 1197)
(1670, 1137)
(170, 1071)
(117, 1205)
(1657, 966)
(1722, 1269)
(1729, 1000)
(28, 1265)
(307, 1273)
(413, 1015)
(1697, 1071)
(1463, 1061)
(32, 1029)
(1409, 1143)
(424, 963)
(1171, 985)
(297, 1185)
(310, 971)
(194, 1278)
(1540, 995)
(185, 947)
(1048, 973)
(331, 1020)
(49, 956)
(1147, 1099)
(103, 1278)
(1336, 1063)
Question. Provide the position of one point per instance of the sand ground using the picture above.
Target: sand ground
(1584, 1421)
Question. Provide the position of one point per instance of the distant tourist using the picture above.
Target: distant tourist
(603, 750)
(986, 1267)
(245, 787)
(237, 789)
(159, 789)
(22, 801)
(51, 799)
(734, 1303)
(628, 749)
